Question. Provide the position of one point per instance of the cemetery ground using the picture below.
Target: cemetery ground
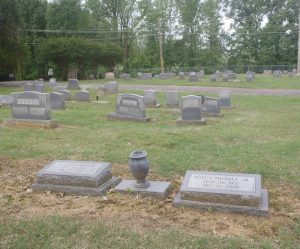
(260, 135)
(260, 82)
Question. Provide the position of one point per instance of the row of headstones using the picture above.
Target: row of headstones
(133, 107)
(233, 192)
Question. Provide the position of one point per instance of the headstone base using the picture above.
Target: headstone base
(262, 210)
(77, 190)
(48, 124)
(209, 114)
(156, 189)
(114, 116)
(153, 106)
(180, 121)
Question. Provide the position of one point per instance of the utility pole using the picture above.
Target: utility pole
(298, 67)
(162, 69)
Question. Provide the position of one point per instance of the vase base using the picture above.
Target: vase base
(142, 184)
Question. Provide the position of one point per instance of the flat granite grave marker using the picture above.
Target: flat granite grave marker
(139, 166)
(191, 110)
(130, 107)
(231, 192)
(150, 98)
(211, 107)
(31, 108)
(73, 84)
(57, 101)
(172, 99)
(76, 177)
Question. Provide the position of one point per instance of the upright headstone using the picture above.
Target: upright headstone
(191, 110)
(225, 77)
(76, 177)
(193, 77)
(57, 101)
(125, 76)
(229, 192)
(109, 75)
(277, 74)
(211, 107)
(146, 76)
(111, 87)
(73, 84)
(31, 108)
(213, 78)
(250, 76)
(82, 96)
(181, 75)
(29, 87)
(67, 95)
(5, 100)
(172, 99)
(225, 99)
(39, 87)
(139, 75)
(201, 74)
(50, 72)
(52, 82)
(231, 76)
(150, 98)
(130, 107)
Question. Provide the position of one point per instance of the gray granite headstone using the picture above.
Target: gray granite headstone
(29, 87)
(82, 96)
(39, 87)
(250, 76)
(31, 105)
(111, 87)
(52, 82)
(150, 98)
(277, 74)
(57, 101)
(201, 74)
(181, 75)
(76, 177)
(125, 76)
(172, 99)
(191, 110)
(146, 76)
(229, 192)
(211, 107)
(213, 78)
(225, 77)
(73, 84)
(225, 99)
(231, 76)
(5, 99)
(130, 107)
(193, 77)
(67, 95)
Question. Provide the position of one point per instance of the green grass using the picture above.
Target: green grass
(260, 135)
(58, 232)
(261, 82)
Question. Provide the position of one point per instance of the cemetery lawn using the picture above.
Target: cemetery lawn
(260, 135)
(261, 82)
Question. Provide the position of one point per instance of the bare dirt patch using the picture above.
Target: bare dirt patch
(139, 214)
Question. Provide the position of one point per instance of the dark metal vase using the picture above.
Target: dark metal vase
(139, 166)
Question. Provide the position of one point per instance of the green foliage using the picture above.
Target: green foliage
(76, 51)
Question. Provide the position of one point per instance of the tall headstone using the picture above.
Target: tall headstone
(31, 108)
(211, 107)
(225, 99)
(130, 107)
(57, 101)
(191, 110)
(73, 84)
(172, 99)
(229, 192)
(150, 98)
(193, 77)
(76, 177)
(82, 96)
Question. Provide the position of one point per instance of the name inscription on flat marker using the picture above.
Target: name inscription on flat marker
(221, 182)
(73, 168)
